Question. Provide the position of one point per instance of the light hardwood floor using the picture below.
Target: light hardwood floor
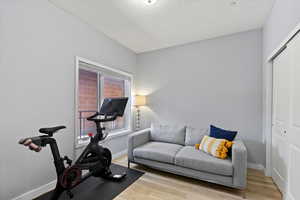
(156, 185)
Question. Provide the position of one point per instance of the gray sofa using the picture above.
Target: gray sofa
(171, 149)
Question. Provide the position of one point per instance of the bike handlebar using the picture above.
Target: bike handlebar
(106, 119)
(94, 115)
(33, 143)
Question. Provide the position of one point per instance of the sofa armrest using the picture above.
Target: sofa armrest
(137, 139)
(239, 161)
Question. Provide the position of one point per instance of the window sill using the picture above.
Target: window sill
(83, 143)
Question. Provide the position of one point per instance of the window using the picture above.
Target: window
(94, 83)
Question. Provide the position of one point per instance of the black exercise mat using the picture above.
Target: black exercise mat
(97, 188)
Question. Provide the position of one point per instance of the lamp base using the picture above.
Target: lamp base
(137, 121)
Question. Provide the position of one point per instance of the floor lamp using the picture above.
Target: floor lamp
(139, 101)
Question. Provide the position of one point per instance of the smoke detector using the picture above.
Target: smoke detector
(150, 2)
(234, 2)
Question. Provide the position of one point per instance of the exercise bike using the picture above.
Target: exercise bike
(95, 159)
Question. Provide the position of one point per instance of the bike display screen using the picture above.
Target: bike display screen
(112, 106)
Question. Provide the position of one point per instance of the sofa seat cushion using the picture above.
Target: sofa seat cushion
(192, 158)
(157, 151)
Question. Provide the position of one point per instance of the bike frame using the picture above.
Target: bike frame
(95, 158)
(79, 164)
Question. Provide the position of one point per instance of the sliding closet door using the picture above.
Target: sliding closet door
(281, 106)
(293, 192)
(286, 120)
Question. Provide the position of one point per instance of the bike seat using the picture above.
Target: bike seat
(51, 130)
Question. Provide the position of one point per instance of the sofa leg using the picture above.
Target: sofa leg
(243, 192)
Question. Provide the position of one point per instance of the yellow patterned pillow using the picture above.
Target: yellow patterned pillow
(215, 147)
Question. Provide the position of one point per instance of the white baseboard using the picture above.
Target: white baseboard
(280, 181)
(288, 196)
(256, 166)
(50, 186)
(268, 173)
(37, 192)
(119, 154)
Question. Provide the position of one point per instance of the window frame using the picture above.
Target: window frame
(96, 67)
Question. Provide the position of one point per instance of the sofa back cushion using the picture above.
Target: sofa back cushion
(166, 133)
(222, 134)
(194, 136)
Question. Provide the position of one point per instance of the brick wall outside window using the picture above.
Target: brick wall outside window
(87, 96)
(88, 91)
(113, 88)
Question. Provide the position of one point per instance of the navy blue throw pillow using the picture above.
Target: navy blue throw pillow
(221, 133)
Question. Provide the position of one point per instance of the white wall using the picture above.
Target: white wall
(214, 81)
(38, 45)
(283, 18)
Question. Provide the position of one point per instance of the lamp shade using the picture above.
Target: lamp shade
(140, 100)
